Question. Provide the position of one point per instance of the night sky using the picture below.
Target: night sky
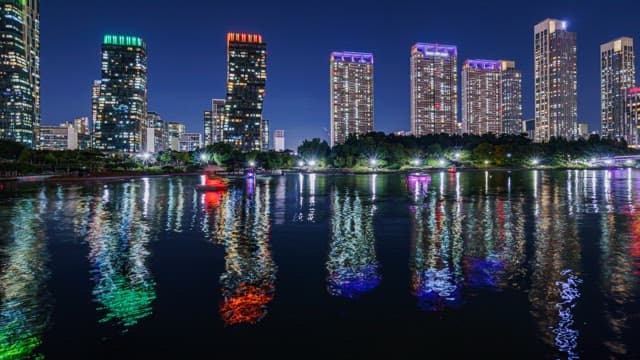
(187, 50)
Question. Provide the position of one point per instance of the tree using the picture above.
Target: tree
(315, 149)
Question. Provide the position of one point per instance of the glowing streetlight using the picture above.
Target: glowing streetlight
(608, 161)
(203, 157)
(373, 162)
(441, 162)
(300, 163)
(415, 162)
(146, 156)
(535, 162)
(457, 155)
(486, 162)
(312, 163)
(509, 155)
(252, 164)
(629, 162)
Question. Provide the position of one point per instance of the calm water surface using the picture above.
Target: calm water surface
(522, 264)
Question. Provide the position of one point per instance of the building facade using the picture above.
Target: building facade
(278, 140)
(246, 81)
(120, 97)
(351, 87)
(190, 141)
(632, 115)
(556, 82)
(155, 133)
(175, 130)
(434, 89)
(214, 122)
(481, 97)
(20, 71)
(58, 138)
(617, 75)
(511, 98)
(265, 135)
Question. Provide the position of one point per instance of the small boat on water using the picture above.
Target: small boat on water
(212, 182)
(419, 177)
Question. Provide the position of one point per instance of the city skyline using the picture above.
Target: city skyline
(183, 95)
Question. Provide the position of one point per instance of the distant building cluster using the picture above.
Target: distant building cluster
(490, 93)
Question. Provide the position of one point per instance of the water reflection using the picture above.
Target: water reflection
(118, 241)
(352, 266)
(248, 282)
(556, 268)
(24, 310)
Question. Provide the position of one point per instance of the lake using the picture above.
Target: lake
(542, 264)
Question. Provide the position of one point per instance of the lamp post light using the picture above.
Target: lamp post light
(312, 163)
(535, 162)
(252, 164)
(300, 163)
(373, 163)
(415, 162)
(442, 163)
(457, 155)
(486, 162)
(203, 157)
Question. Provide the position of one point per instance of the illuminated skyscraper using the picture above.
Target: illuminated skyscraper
(214, 122)
(511, 97)
(434, 89)
(491, 97)
(120, 97)
(481, 97)
(246, 80)
(351, 95)
(632, 115)
(617, 75)
(20, 71)
(556, 81)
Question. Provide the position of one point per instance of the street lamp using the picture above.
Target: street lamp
(486, 162)
(415, 162)
(441, 162)
(312, 163)
(300, 163)
(373, 162)
(509, 155)
(535, 162)
(203, 157)
(252, 164)
(457, 155)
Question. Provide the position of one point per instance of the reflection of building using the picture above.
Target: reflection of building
(120, 97)
(556, 80)
(352, 265)
(190, 141)
(434, 89)
(555, 278)
(248, 282)
(20, 71)
(118, 240)
(617, 75)
(24, 312)
(246, 80)
(351, 88)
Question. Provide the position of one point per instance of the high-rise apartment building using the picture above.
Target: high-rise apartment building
(265, 135)
(556, 82)
(351, 86)
(278, 140)
(190, 141)
(214, 122)
(491, 97)
(246, 81)
(481, 97)
(20, 71)
(511, 98)
(617, 75)
(434, 89)
(120, 97)
(175, 130)
(81, 126)
(632, 115)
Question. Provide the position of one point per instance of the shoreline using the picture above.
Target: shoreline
(128, 176)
